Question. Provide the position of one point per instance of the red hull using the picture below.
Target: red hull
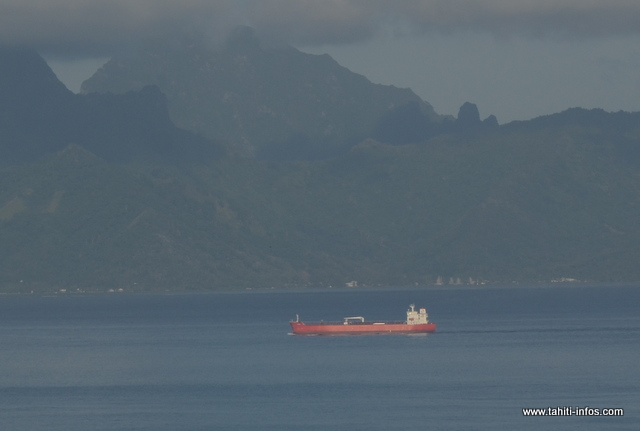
(301, 328)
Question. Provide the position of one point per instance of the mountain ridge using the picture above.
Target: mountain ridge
(553, 198)
(258, 100)
(41, 116)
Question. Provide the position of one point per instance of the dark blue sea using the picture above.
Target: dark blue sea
(227, 361)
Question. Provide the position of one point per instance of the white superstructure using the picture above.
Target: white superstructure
(417, 317)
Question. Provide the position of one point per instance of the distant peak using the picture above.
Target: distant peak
(469, 118)
(23, 69)
(468, 114)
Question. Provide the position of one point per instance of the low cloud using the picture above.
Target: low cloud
(101, 27)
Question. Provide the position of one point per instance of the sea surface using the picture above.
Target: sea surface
(227, 361)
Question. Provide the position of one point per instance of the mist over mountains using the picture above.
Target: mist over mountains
(192, 167)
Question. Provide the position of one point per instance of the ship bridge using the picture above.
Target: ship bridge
(417, 317)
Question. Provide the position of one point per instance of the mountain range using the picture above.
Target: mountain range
(194, 167)
(273, 102)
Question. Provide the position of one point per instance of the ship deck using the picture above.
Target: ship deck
(378, 322)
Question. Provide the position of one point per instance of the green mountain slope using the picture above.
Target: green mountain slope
(500, 206)
(91, 200)
(74, 221)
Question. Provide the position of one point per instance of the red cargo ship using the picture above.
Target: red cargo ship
(417, 322)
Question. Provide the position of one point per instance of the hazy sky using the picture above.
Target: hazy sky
(516, 59)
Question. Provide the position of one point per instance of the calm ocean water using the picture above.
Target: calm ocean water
(228, 362)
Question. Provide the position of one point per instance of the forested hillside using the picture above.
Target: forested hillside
(104, 191)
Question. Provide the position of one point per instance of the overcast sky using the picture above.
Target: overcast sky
(516, 59)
